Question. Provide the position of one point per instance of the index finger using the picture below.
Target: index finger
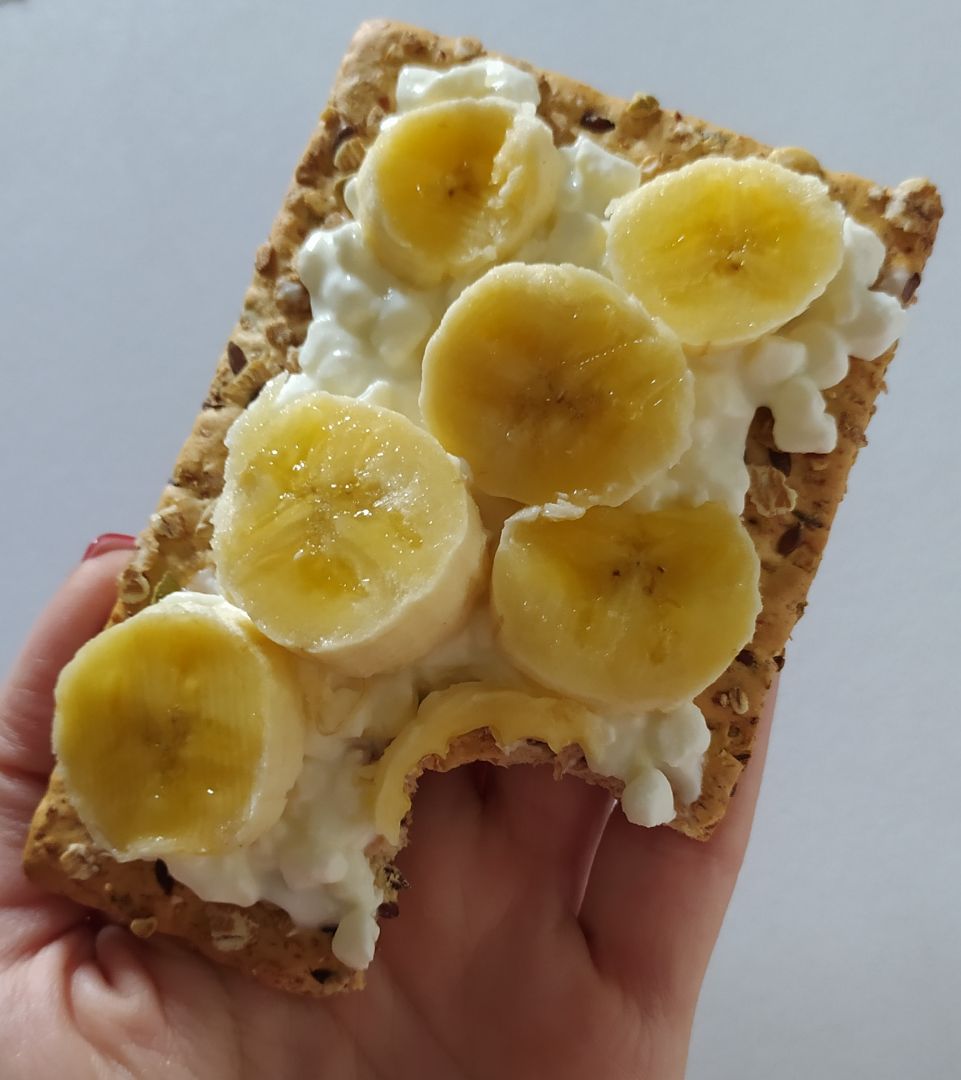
(655, 899)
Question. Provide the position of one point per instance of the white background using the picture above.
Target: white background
(144, 150)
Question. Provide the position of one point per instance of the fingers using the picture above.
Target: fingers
(446, 811)
(77, 612)
(553, 826)
(440, 862)
(474, 861)
(655, 898)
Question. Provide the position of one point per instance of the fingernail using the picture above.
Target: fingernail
(109, 542)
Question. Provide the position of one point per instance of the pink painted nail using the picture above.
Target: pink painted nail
(109, 542)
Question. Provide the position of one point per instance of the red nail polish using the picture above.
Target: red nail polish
(109, 542)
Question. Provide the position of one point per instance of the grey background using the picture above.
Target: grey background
(144, 149)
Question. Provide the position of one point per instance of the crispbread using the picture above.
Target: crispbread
(788, 513)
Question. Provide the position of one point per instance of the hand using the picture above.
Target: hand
(543, 936)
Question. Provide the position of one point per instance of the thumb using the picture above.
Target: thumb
(77, 612)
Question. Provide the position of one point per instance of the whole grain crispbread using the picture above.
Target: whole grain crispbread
(788, 513)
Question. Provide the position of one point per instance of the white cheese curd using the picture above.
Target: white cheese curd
(472, 654)
(659, 757)
(591, 179)
(204, 581)
(368, 327)
(366, 340)
(418, 86)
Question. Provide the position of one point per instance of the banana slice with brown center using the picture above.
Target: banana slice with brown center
(627, 609)
(451, 188)
(551, 381)
(179, 730)
(345, 531)
(725, 251)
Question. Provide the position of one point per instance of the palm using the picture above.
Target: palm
(519, 952)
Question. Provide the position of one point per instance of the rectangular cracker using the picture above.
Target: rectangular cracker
(261, 940)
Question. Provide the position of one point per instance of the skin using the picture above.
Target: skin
(543, 935)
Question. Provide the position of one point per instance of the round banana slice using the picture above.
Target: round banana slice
(451, 188)
(511, 715)
(345, 531)
(180, 730)
(724, 251)
(550, 381)
(628, 609)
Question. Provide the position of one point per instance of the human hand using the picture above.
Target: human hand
(544, 935)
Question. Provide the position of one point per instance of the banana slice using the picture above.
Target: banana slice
(180, 730)
(344, 531)
(451, 188)
(724, 251)
(633, 610)
(550, 380)
(511, 715)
